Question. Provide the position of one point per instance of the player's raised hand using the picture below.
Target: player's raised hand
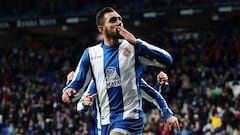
(173, 121)
(162, 77)
(126, 35)
(89, 99)
(66, 95)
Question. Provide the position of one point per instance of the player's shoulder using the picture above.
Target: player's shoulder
(125, 42)
(96, 46)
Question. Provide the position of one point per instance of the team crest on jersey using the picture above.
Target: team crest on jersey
(112, 77)
(126, 52)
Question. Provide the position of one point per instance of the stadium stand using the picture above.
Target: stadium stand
(204, 90)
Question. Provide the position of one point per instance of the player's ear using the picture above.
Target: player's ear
(100, 29)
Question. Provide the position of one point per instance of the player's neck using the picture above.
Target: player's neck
(111, 42)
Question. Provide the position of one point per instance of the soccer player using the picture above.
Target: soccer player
(89, 100)
(116, 70)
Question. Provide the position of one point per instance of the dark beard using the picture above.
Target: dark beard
(117, 36)
(113, 35)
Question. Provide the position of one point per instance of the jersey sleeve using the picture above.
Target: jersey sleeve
(90, 90)
(81, 107)
(151, 55)
(153, 96)
(82, 77)
(160, 88)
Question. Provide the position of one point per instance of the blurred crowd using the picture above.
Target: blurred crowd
(204, 84)
(12, 9)
(204, 90)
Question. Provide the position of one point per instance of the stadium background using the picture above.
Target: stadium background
(41, 41)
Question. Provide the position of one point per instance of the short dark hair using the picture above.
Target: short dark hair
(101, 13)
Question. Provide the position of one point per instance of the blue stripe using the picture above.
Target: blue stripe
(92, 88)
(160, 100)
(154, 54)
(139, 71)
(114, 93)
(95, 115)
(157, 86)
(154, 94)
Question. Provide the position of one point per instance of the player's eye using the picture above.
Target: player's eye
(114, 19)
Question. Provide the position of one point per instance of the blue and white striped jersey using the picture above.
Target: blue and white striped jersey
(152, 95)
(117, 73)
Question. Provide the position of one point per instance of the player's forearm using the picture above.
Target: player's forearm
(158, 54)
(82, 74)
(160, 88)
(81, 107)
(154, 96)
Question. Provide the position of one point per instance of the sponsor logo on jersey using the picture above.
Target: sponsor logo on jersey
(112, 77)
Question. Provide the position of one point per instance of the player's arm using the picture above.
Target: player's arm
(148, 91)
(86, 101)
(152, 55)
(82, 76)
(81, 106)
(160, 88)
(152, 95)
(162, 84)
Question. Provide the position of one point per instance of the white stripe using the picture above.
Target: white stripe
(122, 131)
(80, 106)
(128, 79)
(99, 127)
(150, 62)
(152, 47)
(97, 62)
(150, 99)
